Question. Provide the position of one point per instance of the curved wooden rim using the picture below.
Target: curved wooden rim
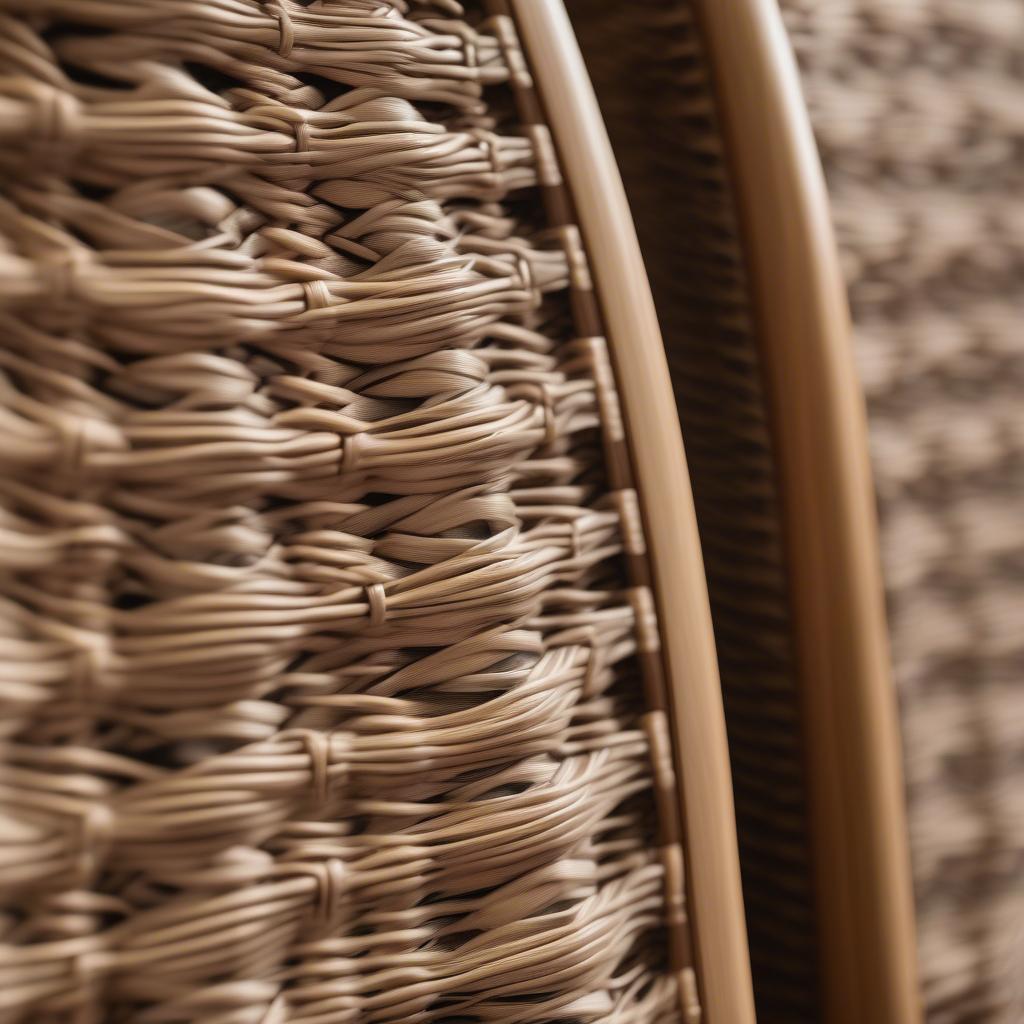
(716, 906)
(859, 832)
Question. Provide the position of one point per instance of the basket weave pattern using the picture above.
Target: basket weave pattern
(320, 677)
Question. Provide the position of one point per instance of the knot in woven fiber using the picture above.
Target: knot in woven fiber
(524, 271)
(592, 680)
(89, 970)
(81, 437)
(318, 295)
(468, 38)
(286, 28)
(318, 748)
(91, 679)
(300, 127)
(62, 272)
(512, 51)
(95, 826)
(645, 619)
(53, 123)
(377, 601)
(352, 446)
(547, 404)
(330, 881)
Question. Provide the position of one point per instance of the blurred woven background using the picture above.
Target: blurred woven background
(918, 108)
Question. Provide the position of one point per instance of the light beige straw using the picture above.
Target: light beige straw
(330, 667)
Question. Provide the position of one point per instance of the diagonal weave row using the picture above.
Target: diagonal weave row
(319, 677)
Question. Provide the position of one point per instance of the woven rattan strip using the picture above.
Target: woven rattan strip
(324, 625)
(655, 94)
(917, 111)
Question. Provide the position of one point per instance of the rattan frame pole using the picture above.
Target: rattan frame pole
(666, 502)
(859, 831)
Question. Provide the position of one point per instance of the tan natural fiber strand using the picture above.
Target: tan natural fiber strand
(326, 692)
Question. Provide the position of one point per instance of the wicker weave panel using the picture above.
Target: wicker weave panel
(320, 690)
(917, 109)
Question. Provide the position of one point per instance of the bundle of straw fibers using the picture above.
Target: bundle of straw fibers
(355, 642)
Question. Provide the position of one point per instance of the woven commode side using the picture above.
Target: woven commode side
(320, 660)
(917, 111)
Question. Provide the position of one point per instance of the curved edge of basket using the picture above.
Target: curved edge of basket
(687, 639)
(855, 769)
